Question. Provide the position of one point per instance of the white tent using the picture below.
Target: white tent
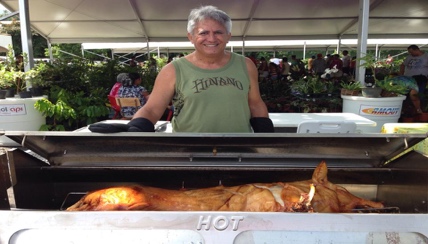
(81, 21)
(267, 45)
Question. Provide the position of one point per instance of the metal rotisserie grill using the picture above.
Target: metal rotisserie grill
(51, 170)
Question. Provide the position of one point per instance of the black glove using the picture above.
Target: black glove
(135, 125)
(262, 125)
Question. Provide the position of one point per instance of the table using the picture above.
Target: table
(407, 128)
(288, 122)
(285, 122)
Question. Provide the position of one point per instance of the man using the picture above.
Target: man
(346, 60)
(319, 65)
(412, 104)
(202, 86)
(416, 65)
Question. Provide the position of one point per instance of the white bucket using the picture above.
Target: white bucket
(19, 114)
(381, 110)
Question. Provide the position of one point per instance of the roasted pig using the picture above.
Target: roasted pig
(273, 197)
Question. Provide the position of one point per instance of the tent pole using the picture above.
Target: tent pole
(148, 49)
(377, 52)
(26, 39)
(50, 51)
(304, 50)
(339, 44)
(363, 26)
(243, 46)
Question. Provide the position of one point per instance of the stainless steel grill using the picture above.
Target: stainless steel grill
(49, 169)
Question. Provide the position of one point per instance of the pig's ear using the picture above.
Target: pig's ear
(320, 174)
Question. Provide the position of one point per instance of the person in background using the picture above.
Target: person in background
(153, 65)
(412, 104)
(346, 61)
(285, 72)
(132, 61)
(389, 59)
(352, 65)
(253, 58)
(319, 65)
(119, 79)
(19, 62)
(274, 71)
(416, 65)
(213, 90)
(263, 68)
(297, 67)
(337, 63)
(131, 87)
(310, 62)
(170, 58)
(328, 59)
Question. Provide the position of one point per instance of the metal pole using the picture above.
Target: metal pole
(27, 43)
(148, 49)
(363, 26)
(304, 50)
(377, 54)
(50, 52)
(339, 45)
(243, 46)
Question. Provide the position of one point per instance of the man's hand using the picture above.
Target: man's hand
(135, 125)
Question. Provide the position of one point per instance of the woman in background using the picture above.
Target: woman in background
(131, 88)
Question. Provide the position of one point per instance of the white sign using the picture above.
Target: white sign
(12, 109)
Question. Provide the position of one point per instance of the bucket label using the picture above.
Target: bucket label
(371, 110)
(12, 109)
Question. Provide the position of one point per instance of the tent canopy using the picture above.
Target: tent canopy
(83, 21)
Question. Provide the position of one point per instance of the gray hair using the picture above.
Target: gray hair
(126, 80)
(120, 77)
(208, 12)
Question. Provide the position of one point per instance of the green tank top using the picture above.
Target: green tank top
(212, 101)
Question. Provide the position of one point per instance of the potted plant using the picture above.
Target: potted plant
(14, 78)
(392, 87)
(350, 88)
(378, 80)
(372, 76)
(5, 82)
(374, 106)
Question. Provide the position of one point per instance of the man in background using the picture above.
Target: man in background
(346, 60)
(416, 65)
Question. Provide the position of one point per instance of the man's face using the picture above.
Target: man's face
(209, 37)
(412, 52)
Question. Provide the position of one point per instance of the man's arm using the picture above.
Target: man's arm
(402, 67)
(259, 121)
(257, 106)
(161, 96)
